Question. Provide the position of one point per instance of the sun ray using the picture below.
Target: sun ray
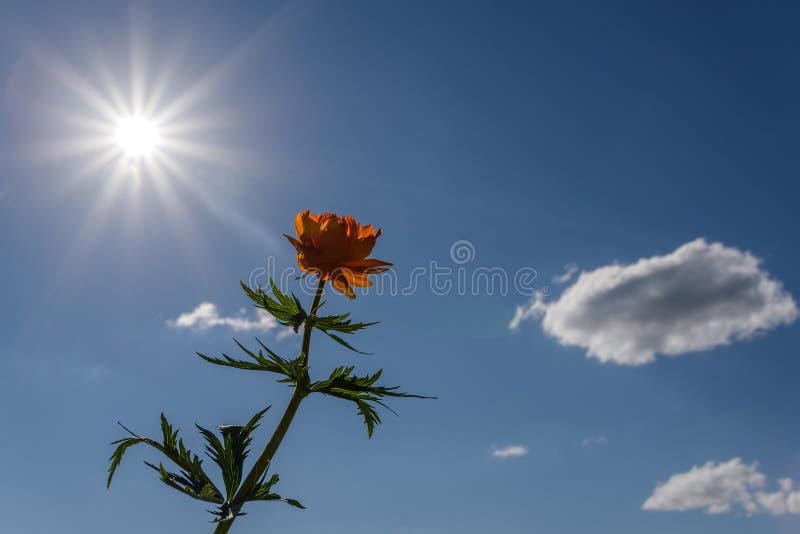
(157, 93)
(110, 84)
(138, 55)
(62, 72)
(182, 226)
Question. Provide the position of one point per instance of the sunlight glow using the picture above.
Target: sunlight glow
(136, 136)
(139, 132)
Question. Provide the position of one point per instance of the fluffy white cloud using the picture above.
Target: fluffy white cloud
(784, 501)
(511, 451)
(719, 488)
(206, 315)
(698, 297)
(715, 488)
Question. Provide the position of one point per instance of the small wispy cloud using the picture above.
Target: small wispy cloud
(593, 441)
(534, 310)
(96, 372)
(206, 315)
(569, 271)
(512, 451)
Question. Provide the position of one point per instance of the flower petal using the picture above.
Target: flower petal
(336, 248)
(341, 284)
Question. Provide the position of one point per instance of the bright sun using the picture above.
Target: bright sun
(136, 136)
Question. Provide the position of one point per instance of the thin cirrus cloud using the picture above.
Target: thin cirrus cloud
(593, 441)
(719, 488)
(512, 451)
(206, 316)
(698, 297)
(569, 271)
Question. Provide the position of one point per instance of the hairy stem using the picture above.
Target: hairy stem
(262, 463)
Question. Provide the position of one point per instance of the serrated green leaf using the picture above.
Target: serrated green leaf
(294, 502)
(192, 480)
(285, 308)
(340, 323)
(344, 343)
(232, 450)
(293, 370)
(361, 390)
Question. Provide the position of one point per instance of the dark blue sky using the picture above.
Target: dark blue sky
(542, 133)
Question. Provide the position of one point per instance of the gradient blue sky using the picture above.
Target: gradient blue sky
(543, 133)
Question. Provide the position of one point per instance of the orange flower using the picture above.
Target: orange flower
(336, 248)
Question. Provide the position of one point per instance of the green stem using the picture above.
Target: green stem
(262, 463)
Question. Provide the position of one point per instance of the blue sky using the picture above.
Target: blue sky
(543, 134)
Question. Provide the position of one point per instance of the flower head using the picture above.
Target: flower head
(336, 248)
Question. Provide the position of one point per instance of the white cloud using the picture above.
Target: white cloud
(569, 271)
(535, 309)
(715, 488)
(512, 451)
(698, 297)
(286, 333)
(784, 501)
(206, 315)
(719, 488)
(594, 440)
